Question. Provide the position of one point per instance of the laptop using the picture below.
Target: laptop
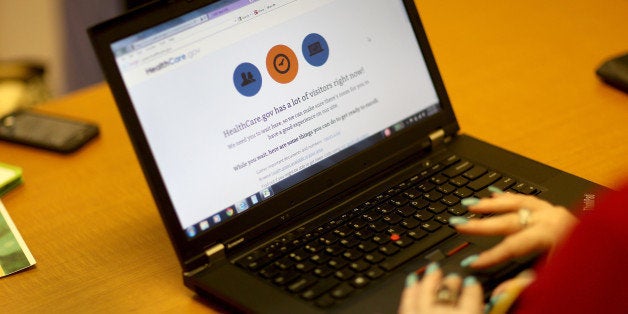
(304, 155)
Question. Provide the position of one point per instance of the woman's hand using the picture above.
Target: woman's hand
(435, 294)
(528, 223)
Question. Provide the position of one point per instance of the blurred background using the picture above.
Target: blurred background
(44, 48)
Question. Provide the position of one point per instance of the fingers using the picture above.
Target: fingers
(471, 293)
(513, 246)
(523, 279)
(418, 295)
(429, 284)
(497, 225)
(435, 294)
(507, 202)
(507, 293)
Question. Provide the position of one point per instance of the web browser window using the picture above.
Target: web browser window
(243, 99)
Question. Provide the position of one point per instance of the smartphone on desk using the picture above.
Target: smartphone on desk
(56, 133)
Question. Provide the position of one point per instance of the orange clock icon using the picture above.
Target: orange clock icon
(282, 64)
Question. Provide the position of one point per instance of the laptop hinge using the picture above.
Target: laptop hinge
(213, 254)
(437, 138)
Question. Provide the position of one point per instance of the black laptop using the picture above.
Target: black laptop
(304, 155)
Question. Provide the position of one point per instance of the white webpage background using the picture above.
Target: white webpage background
(185, 110)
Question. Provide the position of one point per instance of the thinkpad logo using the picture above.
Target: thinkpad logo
(589, 202)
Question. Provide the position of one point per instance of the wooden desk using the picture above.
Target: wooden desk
(520, 75)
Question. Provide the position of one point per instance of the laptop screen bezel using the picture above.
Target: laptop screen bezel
(311, 191)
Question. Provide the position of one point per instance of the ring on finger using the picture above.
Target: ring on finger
(525, 216)
(446, 295)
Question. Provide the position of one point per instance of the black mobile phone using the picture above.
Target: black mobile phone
(46, 131)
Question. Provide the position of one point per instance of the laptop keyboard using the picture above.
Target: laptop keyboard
(329, 262)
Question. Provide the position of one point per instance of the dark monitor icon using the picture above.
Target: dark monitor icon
(315, 48)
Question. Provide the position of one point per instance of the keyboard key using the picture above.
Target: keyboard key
(474, 172)
(457, 210)
(314, 247)
(360, 265)
(367, 246)
(416, 248)
(398, 230)
(325, 301)
(463, 192)
(524, 188)
(378, 226)
(373, 257)
(284, 263)
(344, 274)
(409, 223)
(419, 204)
(301, 283)
(385, 209)
(458, 168)
(357, 224)
(349, 242)
(443, 218)
(374, 272)
(437, 207)
(352, 255)
(381, 238)
(404, 241)
(425, 187)
(411, 194)
(398, 201)
(446, 188)
(417, 234)
(363, 234)
(342, 291)
(322, 271)
(406, 211)
(269, 272)
(423, 215)
(328, 239)
(389, 249)
(450, 200)
(450, 160)
(359, 281)
(337, 263)
(459, 181)
(370, 217)
(304, 267)
(334, 250)
(430, 226)
(319, 288)
(320, 258)
(285, 277)
(438, 179)
(392, 218)
(504, 183)
(484, 181)
(299, 255)
(343, 231)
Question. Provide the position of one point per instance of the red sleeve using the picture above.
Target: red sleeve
(589, 272)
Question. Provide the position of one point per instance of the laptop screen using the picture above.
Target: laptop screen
(242, 99)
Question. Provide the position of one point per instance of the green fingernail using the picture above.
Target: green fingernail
(411, 279)
(469, 201)
(493, 189)
(469, 260)
(457, 220)
(451, 275)
(432, 267)
(491, 303)
(494, 299)
(470, 280)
